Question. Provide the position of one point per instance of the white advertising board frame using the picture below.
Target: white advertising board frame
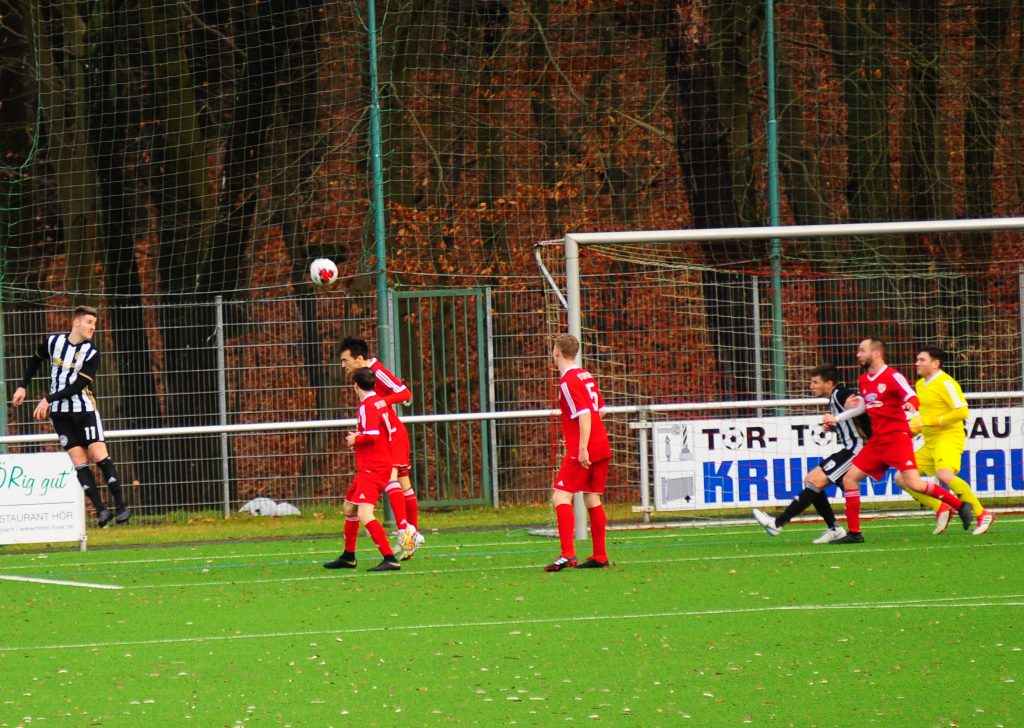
(41, 500)
(761, 461)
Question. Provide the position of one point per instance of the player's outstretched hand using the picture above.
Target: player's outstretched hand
(19, 396)
(42, 410)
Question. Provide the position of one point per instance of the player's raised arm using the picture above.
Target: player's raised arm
(32, 365)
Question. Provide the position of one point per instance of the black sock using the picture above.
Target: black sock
(88, 481)
(795, 508)
(824, 508)
(113, 482)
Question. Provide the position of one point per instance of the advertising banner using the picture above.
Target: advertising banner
(41, 500)
(746, 462)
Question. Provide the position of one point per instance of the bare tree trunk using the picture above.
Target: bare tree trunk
(925, 181)
(857, 39)
(62, 90)
(706, 163)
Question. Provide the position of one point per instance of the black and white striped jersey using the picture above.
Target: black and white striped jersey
(72, 373)
(854, 432)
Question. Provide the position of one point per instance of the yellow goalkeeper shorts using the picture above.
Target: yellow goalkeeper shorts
(942, 451)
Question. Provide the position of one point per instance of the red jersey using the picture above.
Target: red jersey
(578, 393)
(373, 434)
(388, 385)
(885, 392)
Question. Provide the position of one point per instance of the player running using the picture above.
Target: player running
(71, 407)
(355, 354)
(846, 417)
(887, 395)
(372, 444)
(587, 457)
(941, 421)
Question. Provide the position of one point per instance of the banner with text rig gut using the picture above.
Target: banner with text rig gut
(40, 499)
(744, 462)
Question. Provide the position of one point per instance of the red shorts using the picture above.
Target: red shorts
(574, 478)
(368, 485)
(882, 452)
(400, 448)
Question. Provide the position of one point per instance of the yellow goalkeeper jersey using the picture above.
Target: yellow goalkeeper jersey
(939, 397)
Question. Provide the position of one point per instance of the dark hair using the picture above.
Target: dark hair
(935, 353)
(354, 346)
(827, 372)
(878, 344)
(364, 378)
(81, 311)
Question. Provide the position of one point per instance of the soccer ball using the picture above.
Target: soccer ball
(323, 272)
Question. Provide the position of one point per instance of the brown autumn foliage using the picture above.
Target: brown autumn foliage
(505, 123)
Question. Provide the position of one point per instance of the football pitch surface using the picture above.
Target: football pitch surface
(715, 626)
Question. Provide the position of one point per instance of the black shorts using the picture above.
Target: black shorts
(77, 429)
(836, 465)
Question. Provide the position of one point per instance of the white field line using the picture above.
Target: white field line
(1009, 600)
(820, 551)
(59, 582)
(709, 531)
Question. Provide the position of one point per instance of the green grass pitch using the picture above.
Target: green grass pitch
(717, 626)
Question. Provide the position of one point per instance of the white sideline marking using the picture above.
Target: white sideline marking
(59, 582)
(818, 551)
(450, 549)
(952, 603)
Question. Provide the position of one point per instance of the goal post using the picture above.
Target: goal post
(574, 241)
(892, 273)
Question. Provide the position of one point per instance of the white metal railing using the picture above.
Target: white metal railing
(641, 424)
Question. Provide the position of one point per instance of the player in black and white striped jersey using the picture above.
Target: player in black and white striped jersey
(71, 407)
(848, 419)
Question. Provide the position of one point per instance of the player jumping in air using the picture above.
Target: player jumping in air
(71, 407)
(587, 457)
(846, 417)
(941, 421)
(355, 354)
(372, 444)
(887, 396)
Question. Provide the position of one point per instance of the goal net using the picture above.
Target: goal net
(663, 321)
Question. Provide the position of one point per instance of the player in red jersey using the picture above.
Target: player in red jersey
(355, 354)
(888, 397)
(587, 457)
(372, 444)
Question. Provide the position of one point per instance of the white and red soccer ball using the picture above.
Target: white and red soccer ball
(323, 272)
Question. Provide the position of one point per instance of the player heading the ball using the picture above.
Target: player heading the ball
(71, 407)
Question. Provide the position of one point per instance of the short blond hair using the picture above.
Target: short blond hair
(568, 344)
(81, 311)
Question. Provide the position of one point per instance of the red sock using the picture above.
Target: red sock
(943, 495)
(379, 537)
(598, 525)
(566, 528)
(412, 508)
(853, 512)
(397, 503)
(351, 532)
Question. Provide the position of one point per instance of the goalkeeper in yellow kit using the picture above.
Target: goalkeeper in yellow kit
(941, 420)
